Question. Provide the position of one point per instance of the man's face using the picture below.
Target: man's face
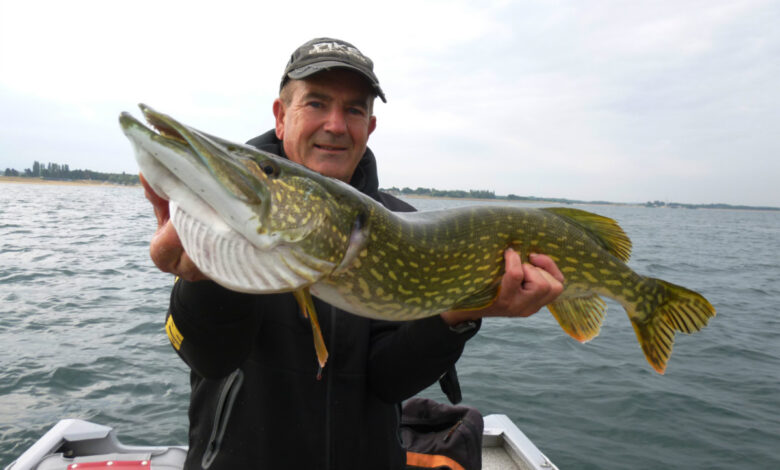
(326, 124)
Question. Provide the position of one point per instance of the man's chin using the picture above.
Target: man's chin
(333, 165)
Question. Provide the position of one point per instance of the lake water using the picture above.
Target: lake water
(81, 335)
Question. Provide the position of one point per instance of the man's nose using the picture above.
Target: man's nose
(336, 122)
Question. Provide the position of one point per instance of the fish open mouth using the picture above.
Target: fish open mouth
(163, 128)
(219, 205)
(157, 127)
(199, 160)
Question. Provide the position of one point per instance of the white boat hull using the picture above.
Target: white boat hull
(73, 442)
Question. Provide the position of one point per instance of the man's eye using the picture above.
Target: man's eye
(315, 104)
(356, 111)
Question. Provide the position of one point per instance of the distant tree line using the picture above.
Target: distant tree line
(62, 172)
(483, 194)
(430, 192)
(678, 205)
(473, 194)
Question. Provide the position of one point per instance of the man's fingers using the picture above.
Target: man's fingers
(514, 272)
(527, 287)
(188, 271)
(547, 264)
(169, 256)
(543, 286)
(152, 196)
(159, 204)
(165, 248)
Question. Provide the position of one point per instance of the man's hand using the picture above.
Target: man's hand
(165, 248)
(525, 289)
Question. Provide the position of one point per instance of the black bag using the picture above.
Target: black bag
(440, 436)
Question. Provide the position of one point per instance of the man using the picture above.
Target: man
(256, 400)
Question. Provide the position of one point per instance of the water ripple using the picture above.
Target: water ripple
(82, 306)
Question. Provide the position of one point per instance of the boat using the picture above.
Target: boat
(505, 446)
(74, 444)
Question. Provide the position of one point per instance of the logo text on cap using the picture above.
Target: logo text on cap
(331, 47)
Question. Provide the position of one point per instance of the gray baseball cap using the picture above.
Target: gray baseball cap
(326, 53)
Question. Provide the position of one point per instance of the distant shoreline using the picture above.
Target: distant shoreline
(28, 180)
(498, 199)
(34, 180)
(568, 202)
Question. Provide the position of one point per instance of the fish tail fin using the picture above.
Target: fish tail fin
(307, 307)
(678, 309)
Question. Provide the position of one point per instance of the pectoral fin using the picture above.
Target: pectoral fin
(307, 307)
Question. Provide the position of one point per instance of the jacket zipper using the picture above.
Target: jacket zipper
(328, 389)
(227, 398)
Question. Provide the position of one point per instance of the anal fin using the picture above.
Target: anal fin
(580, 317)
(307, 307)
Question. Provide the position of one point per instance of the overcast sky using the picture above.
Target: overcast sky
(622, 101)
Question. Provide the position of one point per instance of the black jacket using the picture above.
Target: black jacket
(256, 400)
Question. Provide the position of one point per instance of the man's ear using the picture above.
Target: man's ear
(279, 112)
(371, 124)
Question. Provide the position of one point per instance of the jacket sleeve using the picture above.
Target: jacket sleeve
(410, 356)
(210, 327)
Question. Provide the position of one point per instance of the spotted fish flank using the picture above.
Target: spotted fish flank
(257, 223)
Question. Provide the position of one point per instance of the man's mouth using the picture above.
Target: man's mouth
(329, 148)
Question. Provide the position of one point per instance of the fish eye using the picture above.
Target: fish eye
(360, 221)
(270, 168)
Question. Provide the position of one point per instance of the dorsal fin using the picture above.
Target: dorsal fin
(605, 231)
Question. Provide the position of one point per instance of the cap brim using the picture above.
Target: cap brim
(308, 70)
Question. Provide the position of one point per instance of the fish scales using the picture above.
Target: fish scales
(293, 230)
(446, 258)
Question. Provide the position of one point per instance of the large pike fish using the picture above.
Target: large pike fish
(257, 223)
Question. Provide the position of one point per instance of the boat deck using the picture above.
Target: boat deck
(71, 443)
(505, 446)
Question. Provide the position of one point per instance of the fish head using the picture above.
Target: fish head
(269, 200)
